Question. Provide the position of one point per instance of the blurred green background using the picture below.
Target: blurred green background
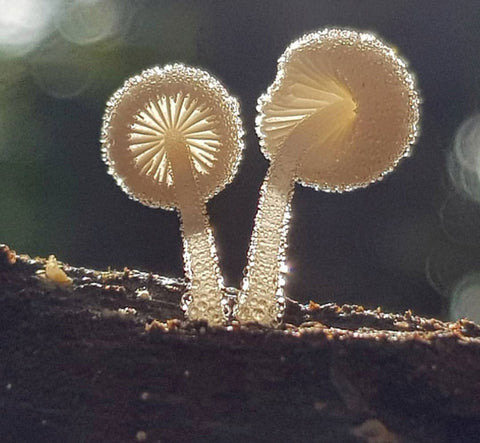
(411, 241)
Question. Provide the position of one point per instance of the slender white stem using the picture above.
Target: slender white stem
(199, 247)
(262, 286)
(262, 291)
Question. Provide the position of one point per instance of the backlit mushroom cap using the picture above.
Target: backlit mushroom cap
(354, 101)
(174, 102)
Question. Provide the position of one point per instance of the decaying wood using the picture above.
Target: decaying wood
(76, 366)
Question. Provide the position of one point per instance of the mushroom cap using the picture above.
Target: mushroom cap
(160, 104)
(354, 101)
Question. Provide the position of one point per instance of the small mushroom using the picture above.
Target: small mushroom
(342, 112)
(172, 138)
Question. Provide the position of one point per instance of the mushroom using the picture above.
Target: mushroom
(341, 113)
(172, 138)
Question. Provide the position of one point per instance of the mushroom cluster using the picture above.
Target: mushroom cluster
(341, 113)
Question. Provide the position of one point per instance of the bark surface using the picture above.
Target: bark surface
(76, 366)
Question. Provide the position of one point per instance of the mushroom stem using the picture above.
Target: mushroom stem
(262, 295)
(199, 247)
(262, 286)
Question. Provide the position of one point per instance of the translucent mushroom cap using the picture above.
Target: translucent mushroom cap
(175, 102)
(348, 103)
